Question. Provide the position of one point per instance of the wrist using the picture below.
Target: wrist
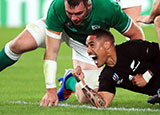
(50, 69)
(51, 90)
(147, 76)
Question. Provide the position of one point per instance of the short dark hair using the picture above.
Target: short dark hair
(103, 33)
(74, 3)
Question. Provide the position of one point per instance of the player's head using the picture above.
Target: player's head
(99, 43)
(77, 10)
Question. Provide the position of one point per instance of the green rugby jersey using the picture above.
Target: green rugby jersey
(104, 14)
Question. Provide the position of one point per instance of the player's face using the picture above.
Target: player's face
(76, 14)
(96, 50)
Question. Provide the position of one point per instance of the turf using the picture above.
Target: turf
(22, 85)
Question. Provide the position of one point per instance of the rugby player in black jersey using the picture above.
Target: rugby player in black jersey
(126, 66)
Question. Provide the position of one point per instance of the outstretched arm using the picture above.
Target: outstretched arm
(153, 14)
(98, 99)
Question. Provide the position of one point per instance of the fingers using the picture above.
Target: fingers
(42, 102)
(46, 101)
(50, 103)
(77, 71)
(145, 19)
(56, 103)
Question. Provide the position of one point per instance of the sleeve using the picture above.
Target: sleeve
(52, 21)
(120, 20)
(106, 82)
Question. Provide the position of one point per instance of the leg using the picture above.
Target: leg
(23, 42)
(80, 58)
(29, 39)
(155, 99)
(69, 83)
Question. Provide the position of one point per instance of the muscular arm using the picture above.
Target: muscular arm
(50, 69)
(52, 48)
(135, 32)
(99, 99)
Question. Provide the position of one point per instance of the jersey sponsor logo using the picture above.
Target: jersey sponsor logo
(116, 78)
(94, 27)
(134, 65)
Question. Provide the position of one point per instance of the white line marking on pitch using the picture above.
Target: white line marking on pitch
(89, 107)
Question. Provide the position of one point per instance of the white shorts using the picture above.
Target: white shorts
(128, 3)
(79, 52)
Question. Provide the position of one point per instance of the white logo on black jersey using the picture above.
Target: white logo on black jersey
(134, 65)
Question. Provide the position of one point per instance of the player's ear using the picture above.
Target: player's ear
(107, 45)
(89, 4)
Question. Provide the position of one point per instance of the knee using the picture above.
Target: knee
(23, 42)
(15, 46)
(157, 21)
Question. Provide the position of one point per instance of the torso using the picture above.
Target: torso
(132, 59)
(99, 17)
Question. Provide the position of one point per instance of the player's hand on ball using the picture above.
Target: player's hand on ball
(50, 98)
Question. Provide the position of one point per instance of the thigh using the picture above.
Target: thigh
(23, 42)
(32, 37)
(38, 31)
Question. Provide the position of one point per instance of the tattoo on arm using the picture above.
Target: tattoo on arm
(94, 97)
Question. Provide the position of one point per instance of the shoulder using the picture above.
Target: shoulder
(131, 43)
(137, 48)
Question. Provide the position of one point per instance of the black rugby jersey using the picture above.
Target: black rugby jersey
(133, 57)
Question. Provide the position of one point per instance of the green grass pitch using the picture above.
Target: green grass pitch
(22, 85)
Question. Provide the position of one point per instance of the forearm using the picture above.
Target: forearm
(155, 10)
(99, 99)
(94, 98)
(50, 64)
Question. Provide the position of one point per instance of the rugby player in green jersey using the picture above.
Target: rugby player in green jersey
(72, 21)
(33, 37)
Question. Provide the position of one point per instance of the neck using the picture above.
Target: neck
(112, 60)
